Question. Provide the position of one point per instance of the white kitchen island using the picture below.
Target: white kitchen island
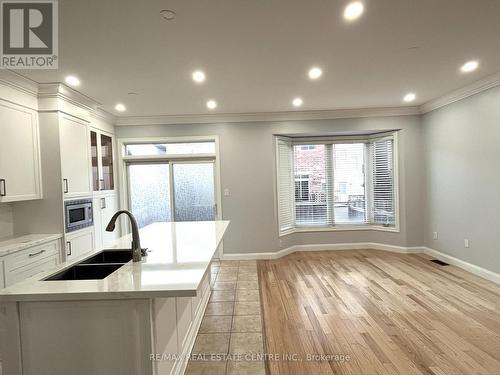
(141, 319)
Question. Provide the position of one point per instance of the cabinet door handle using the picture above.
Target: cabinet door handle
(101, 184)
(35, 254)
(66, 185)
(103, 203)
(3, 189)
(68, 253)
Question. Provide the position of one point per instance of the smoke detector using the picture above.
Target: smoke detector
(167, 14)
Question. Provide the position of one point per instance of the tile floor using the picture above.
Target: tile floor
(230, 334)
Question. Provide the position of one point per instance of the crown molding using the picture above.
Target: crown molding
(266, 116)
(18, 82)
(103, 115)
(462, 93)
(59, 90)
(49, 93)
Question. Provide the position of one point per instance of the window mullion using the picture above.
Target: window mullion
(171, 187)
(292, 187)
(329, 184)
(369, 182)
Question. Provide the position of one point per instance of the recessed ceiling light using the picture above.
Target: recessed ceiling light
(199, 76)
(469, 66)
(168, 14)
(297, 102)
(315, 72)
(72, 81)
(409, 97)
(120, 107)
(211, 104)
(353, 10)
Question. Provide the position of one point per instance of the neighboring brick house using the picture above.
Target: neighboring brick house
(310, 182)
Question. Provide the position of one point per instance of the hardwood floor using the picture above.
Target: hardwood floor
(390, 313)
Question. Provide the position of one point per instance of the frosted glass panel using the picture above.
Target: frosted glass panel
(194, 192)
(149, 193)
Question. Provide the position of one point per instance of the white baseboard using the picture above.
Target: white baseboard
(472, 268)
(319, 247)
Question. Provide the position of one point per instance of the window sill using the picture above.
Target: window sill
(340, 228)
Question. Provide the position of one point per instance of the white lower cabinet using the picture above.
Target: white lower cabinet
(178, 335)
(28, 262)
(105, 206)
(165, 328)
(184, 319)
(85, 338)
(79, 243)
(147, 336)
(200, 295)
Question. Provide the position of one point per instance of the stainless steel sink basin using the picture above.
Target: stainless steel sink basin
(110, 256)
(85, 272)
(96, 267)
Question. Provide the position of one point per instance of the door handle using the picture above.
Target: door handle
(101, 184)
(69, 251)
(3, 189)
(35, 254)
(66, 185)
(103, 203)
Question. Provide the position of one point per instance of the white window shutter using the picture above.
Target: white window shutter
(383, 182)
(311, 177)
(286, 201)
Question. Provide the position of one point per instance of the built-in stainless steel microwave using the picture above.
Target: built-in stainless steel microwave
(78, 214)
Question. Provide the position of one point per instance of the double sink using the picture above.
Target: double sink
(95, 267)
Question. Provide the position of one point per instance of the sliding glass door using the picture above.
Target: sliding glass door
(194, 193)
(149, 192)
(171, 191)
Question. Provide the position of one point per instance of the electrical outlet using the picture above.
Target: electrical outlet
(435, 235)
(466, 243)
(227, 193)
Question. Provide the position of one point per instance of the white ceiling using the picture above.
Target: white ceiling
(256, 53)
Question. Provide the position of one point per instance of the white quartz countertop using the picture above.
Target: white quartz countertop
(179, 255)
(11, 245)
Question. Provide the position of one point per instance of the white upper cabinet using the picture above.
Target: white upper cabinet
(75, 158)
(20, 173)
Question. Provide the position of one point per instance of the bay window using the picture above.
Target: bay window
(336, 183)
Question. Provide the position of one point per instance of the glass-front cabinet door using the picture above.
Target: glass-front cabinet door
(101, 146)
(107, 178)
(95, 160)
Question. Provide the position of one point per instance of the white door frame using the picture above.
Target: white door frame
(122, 177)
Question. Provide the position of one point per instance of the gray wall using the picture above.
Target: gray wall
(6, 220)
(248, 170)
(462, 160)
